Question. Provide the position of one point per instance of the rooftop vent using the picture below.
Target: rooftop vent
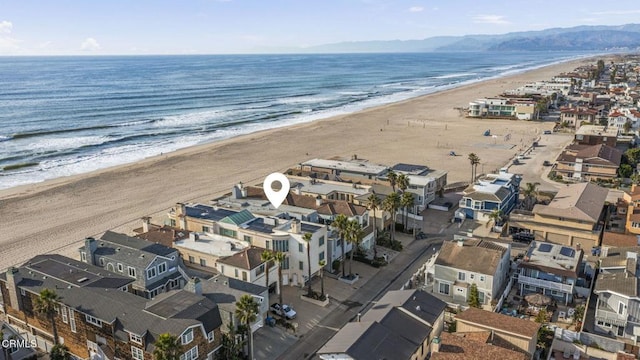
(83, 279)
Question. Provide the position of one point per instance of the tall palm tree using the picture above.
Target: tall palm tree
(267, 257)
(402, 182)
(474, 160)
(391, 204)
(167, 347)
(530, 193)
(392, 177)
(340, 225)
(247, 313)
(374, 203)
(407, 201)
(279, 257)
(354, 236)
(307, 237)
(322, 264)
(46, 305)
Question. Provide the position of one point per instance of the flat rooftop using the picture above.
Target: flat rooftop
(358, 167)
(212, 244)
(553, 258)
(324, 187)
(597, 130)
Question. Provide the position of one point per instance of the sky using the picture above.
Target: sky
(130, 27)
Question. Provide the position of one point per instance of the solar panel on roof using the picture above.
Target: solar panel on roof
(545, 247)
(567, 251)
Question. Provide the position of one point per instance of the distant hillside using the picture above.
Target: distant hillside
(599, 37)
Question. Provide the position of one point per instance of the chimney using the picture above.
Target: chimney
(90, 247)
(239, 191)
(193, 236)
(295, 226)
(578, 247)
(145, 224)
(435, 345)
(318, 200)
(13, 278)
(194, 285)
(181, 209)
(298, 189)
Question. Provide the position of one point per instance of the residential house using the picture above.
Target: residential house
(576, 117)
(588, 162)
(96, 317)
(521, 109)
(202, 250)
(488, 193)
(520, 333)
(156, 268)
(550, 269)
(595, 134)
(574, 217)
(401, 325)
(479, 345)
(632, 225)
(618, 295)
(247, 265)
(424, 183)
(162, 234)
(345, 169)
(15, 346)
(285, 235)
(460, 264)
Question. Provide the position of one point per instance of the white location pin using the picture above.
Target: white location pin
(276, 197)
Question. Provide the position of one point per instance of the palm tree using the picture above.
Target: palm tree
(530, 193)
(627, 126)
(230, 347)
(279, 257)
(496, 215)
(392, 177)
(340, 225)
(354, 236)
(307, 237)
(474, 160)
(407, 201)
(267, 257)
(391, 204)
(247, 313)
(167, 347)
(402, 182)
(322, 264)
(60, 352)
(46, 305)
(374, 203)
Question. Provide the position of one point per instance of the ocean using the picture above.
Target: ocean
(62, 116)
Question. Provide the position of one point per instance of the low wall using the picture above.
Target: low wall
(608, 344)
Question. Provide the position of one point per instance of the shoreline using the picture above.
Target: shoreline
(57, 213)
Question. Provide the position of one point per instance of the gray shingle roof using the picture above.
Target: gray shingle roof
(578, 201)
(378, 342)
(620, 282)
(136, 243)
(472, 256)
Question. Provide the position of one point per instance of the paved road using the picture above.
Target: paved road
(390, 277)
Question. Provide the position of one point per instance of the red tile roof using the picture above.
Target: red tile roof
(464, 347)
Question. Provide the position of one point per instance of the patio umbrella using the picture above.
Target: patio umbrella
(538, 299)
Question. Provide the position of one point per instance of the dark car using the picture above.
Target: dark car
(546, 163)
(523, 237)
(547, 132)
(421, 236)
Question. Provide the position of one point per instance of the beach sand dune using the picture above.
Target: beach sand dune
(54, 216)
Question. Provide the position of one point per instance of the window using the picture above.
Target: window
(101, 261)
(191, 259)
(137, 353)
(83, 256)
(620, 307)
(285, 264)
(203, 262)
(162, 267)
(172, 222)
(94, 321)
(244, 276)
(481, 277)
(480, 297)
(321, 256)
(151, 273)
(120, 268)
(191, 354)
(461, 276)
(206, 229)
(187, 337)
(472, 276)
(300, 265)
(210, 336)
(260, 270)
(281, 245)
(321, 241)
(266, 244)
(236, 273)
(72, 320)
(135, 338)
(227, 232)
(132, 271)
(65, 319)
(248, 239)
(444, 289)
(300, 247)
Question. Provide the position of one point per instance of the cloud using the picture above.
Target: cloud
(6, 27)
(8, 44)
(416, 9)
(618, 12)
(490, 19)
(90, 44)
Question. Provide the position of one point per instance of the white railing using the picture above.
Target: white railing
(545, 284)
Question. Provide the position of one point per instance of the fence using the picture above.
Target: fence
(504, 295)
(604, 343)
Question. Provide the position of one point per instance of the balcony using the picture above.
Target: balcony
(565, 288)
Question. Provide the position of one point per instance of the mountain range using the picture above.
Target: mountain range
(580, 38)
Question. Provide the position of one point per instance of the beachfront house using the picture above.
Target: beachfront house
(97, 318)
(575, 217)
(344, 170)
(488, 193)
(154, 267)
(461, 263)
(552, 270)
(270, 233)
(588, 162)
(521, 109)
(247, 265)
(595, 134)
(575, 117)
(401, 325)
(424, 184)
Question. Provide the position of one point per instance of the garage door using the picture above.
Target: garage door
(558, 238)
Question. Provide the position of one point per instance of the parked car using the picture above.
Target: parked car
(547, 132)
(546, 163)
(421, 236)
(523, 237)
(283, 310)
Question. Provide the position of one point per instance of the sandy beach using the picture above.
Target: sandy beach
(54, 216)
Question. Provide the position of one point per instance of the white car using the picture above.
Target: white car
(283, 310)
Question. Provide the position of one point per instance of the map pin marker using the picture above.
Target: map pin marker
(276, 197)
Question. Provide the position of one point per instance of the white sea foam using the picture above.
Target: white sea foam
(456, 75)
(63, 143)
(195, 118)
